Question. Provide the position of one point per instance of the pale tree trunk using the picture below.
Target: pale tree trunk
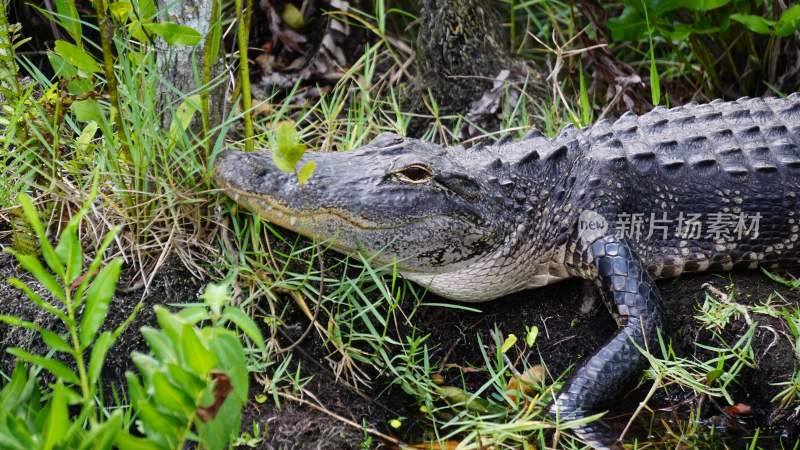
(182, 66)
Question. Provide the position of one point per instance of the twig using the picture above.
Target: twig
(372, 431)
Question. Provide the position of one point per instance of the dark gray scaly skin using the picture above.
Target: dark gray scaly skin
(476, 224)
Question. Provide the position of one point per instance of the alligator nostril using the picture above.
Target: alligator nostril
(260, 171)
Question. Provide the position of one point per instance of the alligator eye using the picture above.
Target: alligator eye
(415, 173)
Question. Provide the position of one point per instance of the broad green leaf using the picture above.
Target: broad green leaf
(289, 149)
(225, 426)
(756, 24)
(98, 356)
(70, 252)
(77, 57)
(680, 32)
(98, 296)
(306, 171)
(146, 10)
(230, 354)
(171, 397)
(198, 356)
(160, 345)
(80, 86)
(136, 31)
(55, 341)
(121, 10)
(164, 425)
(146, 364)
(32, 216)
(704, 5)
(628, 26)
(69, 18)
(171, 325)
(58, 369)
(188, 381)
(174, 34)
(789, 21)
(193, 314)
(183, 116)
(13, 393)
(246, 324)
(135, 389)
(34, 266)
(11, 442)
(57, 418)
(61, 67)
(87, 110)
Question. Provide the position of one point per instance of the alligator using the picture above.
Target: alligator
(699, 187)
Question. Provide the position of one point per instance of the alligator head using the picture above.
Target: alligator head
(440, 213)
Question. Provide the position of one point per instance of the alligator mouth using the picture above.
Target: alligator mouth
(275, 212)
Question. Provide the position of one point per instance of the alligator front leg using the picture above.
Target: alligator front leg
(603, 376)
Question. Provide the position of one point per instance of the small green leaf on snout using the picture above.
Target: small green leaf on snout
(288, 150)
(306, 171)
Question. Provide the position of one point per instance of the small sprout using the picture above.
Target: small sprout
(424, 409)
(261, 399)
(508, 343)
(396, 423)
(531, 333)
(289, 149)
(215, 296)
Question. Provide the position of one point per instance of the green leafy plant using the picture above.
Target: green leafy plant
(79, 296)
(712, 32)
(190, 387)
(194, 383)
